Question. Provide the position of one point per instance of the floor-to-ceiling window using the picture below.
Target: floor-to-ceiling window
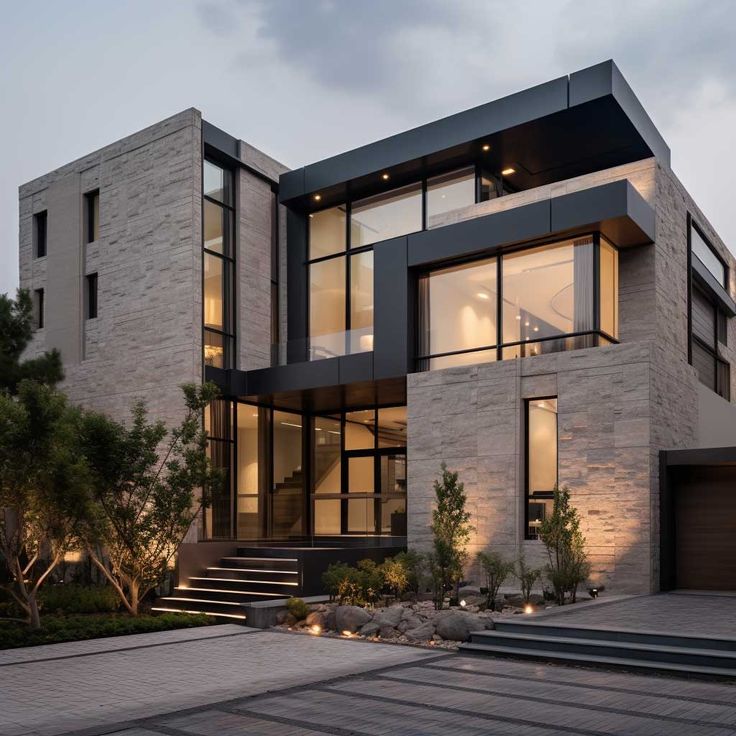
(541, 461)
(218, 214)
(554, 297)
(218, 423)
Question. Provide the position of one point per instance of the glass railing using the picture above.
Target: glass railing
(359, 513)
(321, 347)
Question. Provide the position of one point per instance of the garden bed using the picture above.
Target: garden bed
(58, 628)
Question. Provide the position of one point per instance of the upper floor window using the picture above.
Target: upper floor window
(40, 222)
(709, 332)
(385, 216)
(704, 252)
(38, 308)
(528, 302)
(91, 296)
(92, 216)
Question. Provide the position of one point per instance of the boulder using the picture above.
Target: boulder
(389, 632)
(281, 616)
(411, 622)
(420, 633)
(469, 591)
(330, 620)
(457, 625)
(350, 618)
(369, 629)
(389, 616)
(317, 618)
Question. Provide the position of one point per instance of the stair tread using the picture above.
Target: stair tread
(588, 659)
(605, 644)
(241, 580)
(263, 559)
(256, 569)
(198, 600)
(232, 592)
(239, 616)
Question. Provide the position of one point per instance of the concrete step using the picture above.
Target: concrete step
(562, 657)
(253, 573)
(223, 609)
(619, 635)
(261, 562)
(223, 595)
(287, 589)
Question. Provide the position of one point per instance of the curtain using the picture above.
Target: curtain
(584, 297)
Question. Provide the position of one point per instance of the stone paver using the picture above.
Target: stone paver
(55, 696)
(672, 613)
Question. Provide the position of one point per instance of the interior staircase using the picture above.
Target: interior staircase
(220, 590)
(635, 650)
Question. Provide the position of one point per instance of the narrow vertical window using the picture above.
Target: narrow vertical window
(38, 308)
(40, 220)
(92, 216)
(91, 295)
(275, 311)
(541, 461)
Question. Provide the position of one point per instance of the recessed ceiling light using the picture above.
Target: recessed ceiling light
(482, 295)
(486, 147)
(317, 197)
(385, 177)
(508, 171)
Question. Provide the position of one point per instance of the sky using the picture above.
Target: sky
(306, 79)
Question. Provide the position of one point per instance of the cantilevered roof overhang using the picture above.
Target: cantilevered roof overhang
(570, 126)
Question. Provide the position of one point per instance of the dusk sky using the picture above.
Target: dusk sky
(302, 80)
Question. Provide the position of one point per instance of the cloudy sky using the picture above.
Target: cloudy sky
(303, 79)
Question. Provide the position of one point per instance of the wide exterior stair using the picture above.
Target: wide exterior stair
(221, 590)
(634, 650)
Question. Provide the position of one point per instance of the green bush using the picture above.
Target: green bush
(297, 608)
(395, 577)
(495, 569)
(55, 629)
(73, 599)
(413, 564)
(354, 586)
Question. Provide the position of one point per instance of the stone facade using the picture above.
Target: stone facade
(618, 406)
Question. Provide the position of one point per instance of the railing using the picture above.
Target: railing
(320, 347)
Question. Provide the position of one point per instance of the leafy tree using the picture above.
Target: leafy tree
(568, 565)
(16, 331)
(527, 577)
(495, 570)
(451, 531)
(145, 481)
(43, 489)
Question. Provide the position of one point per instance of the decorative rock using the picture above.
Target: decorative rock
(389, 632)
(420, 633)
(389, 616)
(411, 622)
(457, 625)
(350, 618)
(369, 629)
(317, 618)
(468, 591)
(290, 620)
(281, 616)
(330, 620)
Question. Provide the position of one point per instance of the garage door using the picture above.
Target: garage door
(705, 532)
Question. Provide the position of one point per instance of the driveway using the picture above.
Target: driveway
(234, 683)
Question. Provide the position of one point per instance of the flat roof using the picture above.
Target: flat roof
(574, 124)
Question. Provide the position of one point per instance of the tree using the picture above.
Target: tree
(527, 577)
(43, 489)
(495, 570)
(451, 531)
(568, 565)
(16, 331)
(145, 481)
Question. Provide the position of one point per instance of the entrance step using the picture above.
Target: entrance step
(652, 651)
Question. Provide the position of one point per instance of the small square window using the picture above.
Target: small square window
(91, 296)
(40, 220)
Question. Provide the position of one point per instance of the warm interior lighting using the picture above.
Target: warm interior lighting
(366, 343)
(482, 295)
(291, 424)
(385, 177)
(486, 147)
(318, 197)
(508, 171)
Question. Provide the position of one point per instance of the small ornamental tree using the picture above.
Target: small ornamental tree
(451, 531)
(16, 331)
(568, 565)
(527, 577)
(43, 489)
(145, 481)
(495, 570)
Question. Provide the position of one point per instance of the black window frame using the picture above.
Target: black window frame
(91, 284)
(39, 307)
(91, 213)
(228, 335)
(693, 223)
(40, 233)
(545, 495)
(597, 336)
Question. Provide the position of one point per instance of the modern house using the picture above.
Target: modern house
(523, 290)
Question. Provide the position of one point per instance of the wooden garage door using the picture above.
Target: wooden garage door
(705, 519)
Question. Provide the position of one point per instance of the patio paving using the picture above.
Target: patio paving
(696, 614)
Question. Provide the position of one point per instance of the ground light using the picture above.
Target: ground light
(463, 603)
(316, 629)
(528, 608)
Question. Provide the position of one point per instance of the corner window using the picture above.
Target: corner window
(92, 216)
(704, 252)
(91, 296)
(38, 308)
(40, 222)
(541, 461)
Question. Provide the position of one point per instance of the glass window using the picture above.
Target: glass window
(92, 205)
(541, 461)
(217, 228)
(360, 430)
(214, 349)
(40, 221)
(327, 232)
(251, 471)
(609, 288)
(361, 302)
(327, 308)
(361, 478)
(458, 312)
(327, 455)
(288, 481)
(217, 183)
(214, 315)
(392, 427)
(91, 294)
(386, 216)
(38, 308)
(705, 254)
(450, 192)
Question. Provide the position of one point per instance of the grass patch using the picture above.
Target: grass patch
(56, 629)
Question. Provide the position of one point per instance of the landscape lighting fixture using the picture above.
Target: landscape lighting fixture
(528, 608)
(317, 197)
(508, 171)
(385, 177)
(486, 147)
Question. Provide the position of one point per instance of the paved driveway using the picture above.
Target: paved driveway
(279, 684)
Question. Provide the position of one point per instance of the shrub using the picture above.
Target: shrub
(297, 608)
(395, 576)
(413, 564)
(495, 570)
(527, 577)
(357, 586)
(568, 564)
(370, 580)
(451, 530)
(73, 599)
